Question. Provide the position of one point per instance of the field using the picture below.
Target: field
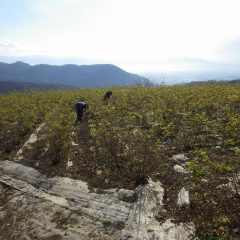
(132, 137)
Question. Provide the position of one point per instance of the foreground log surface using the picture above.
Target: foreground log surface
(36, 207)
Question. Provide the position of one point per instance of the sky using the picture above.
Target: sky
(137, 35)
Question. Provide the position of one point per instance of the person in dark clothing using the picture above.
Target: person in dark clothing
(80, 106)
(107, 95)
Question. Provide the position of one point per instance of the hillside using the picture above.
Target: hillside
(18, 86)
(214, 82)
(99, 75)
(149, 162)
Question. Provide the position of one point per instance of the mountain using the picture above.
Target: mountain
(18, 86)
(234, 81)
(98, 75)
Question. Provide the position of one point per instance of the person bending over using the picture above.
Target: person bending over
(107, 95)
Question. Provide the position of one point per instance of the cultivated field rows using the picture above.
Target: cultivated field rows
(185, 139)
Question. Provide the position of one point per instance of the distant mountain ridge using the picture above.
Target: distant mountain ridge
(98, 75)
(234, 81)
(18, 86)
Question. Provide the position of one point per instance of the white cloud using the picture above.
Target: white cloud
(11, 48)
(138, 28)
(135, 32)
(231, 51)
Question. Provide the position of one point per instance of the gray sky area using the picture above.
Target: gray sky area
(137, 35)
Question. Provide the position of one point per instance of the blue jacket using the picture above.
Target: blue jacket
(80, 106)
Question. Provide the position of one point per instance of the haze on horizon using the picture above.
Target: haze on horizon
(137, 35)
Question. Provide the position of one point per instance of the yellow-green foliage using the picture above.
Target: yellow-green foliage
(136, 132)
(136, 123)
